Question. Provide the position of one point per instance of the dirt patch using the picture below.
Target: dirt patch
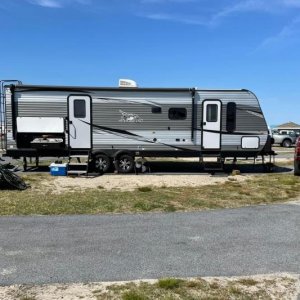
(132, 182)
(276, 286)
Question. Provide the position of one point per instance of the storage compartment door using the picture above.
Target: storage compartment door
(79, 116)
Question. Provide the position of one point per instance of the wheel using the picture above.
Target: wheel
(286, 143)
(297, 168)
(125, 164)
(102, 163)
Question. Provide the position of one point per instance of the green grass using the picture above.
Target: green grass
(42, 199)
(133, 295)
(248, 281)
(145, 189)
(169, 283)
(242, 288)
(172, 288)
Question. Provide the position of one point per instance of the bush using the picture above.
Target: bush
(145, 189)
(169, 283)
(133, 295)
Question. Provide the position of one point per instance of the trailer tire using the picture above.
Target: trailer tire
(102, 163)
(125, 164)
(287, 143)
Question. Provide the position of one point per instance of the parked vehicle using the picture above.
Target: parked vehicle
(118, 124)
(297, 158)
(285, 140)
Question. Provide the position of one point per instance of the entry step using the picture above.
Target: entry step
(211, 166)
(77, 164)
(210, 160)
(77, 172)
(213, 169)
(211, 155)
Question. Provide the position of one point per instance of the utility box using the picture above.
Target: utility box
(58, 169)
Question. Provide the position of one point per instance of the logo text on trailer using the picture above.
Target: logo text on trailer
(129, 117)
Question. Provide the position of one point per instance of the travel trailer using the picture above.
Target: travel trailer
(113, 126)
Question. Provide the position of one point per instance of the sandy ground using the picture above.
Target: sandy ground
(132, 182)
(278, 286)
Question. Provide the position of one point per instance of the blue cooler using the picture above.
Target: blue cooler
(58, 169)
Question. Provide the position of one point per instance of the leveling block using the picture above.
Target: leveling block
(58, 169)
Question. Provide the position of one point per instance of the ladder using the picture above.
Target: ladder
(3, 124)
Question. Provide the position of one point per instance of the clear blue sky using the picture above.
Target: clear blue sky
(253, 44)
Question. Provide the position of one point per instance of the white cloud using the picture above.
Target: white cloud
(288, 34)
(209, 18)
(176, 18)
(249, 6)
(57, 3)
(291, 3)
(47, 3)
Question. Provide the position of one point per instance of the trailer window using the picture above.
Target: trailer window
(212, 113)
(231, 117)
(79, 108)
(177, 113)
(156, 110)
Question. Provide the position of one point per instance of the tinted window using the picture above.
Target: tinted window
(156, 110)
(231, 117)
(212, 113)
(177, 113)
(79, 109)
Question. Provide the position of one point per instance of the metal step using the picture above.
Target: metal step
(77, 164)
(211, 166)
(77, 167)
(213, 169)
(76, 172)
(211, 155)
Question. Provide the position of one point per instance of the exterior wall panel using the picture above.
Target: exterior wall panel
(148, 130)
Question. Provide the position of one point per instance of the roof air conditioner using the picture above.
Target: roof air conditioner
(127, 83)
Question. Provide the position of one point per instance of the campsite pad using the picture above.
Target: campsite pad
(132, 182)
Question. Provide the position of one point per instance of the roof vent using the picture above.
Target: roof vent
(127, 83)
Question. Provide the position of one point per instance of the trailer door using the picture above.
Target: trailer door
(211, 124)
(79, 118)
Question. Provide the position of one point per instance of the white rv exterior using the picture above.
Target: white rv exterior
(116, 122)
